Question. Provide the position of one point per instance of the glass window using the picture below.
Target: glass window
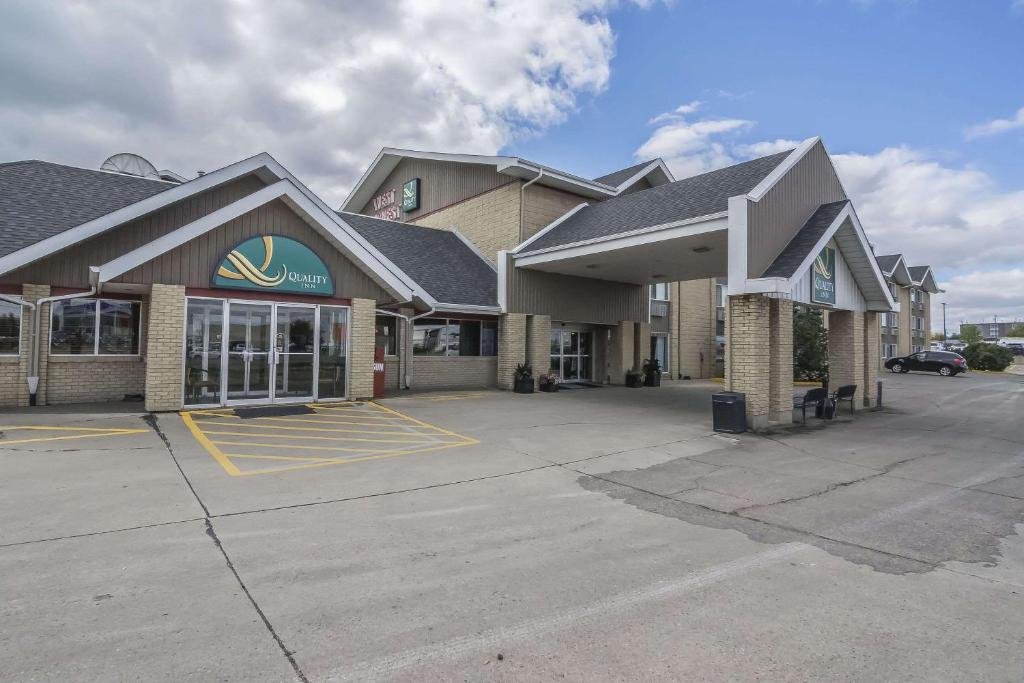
(73, 327)
(333, 351)
(659, 291)
(95, 326)
(10, 328)
(463, 337)
(488, 338)
(387, 334)
(429, 337)
(204, 325)
(119, 327)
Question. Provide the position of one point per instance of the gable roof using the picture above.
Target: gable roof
(698, 196)
(923, 277)
(888, 262)
(439, 261)
(788, 262)
(39, 199)
(514, 167)
(616, 178)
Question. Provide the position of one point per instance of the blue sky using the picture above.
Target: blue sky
(921, 103)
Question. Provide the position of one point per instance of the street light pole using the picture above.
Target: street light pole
(944, 336)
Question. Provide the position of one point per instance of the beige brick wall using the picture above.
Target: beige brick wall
(641, 344)
(361, 341)
(846, 337)
(872, 358)
(454, 372)
(489, 220)
(84, 379)
(538, 343)
(511, 347)
(621, 351)
(164, 367)
(543, 205)
(780, 359)
(905, 321)
(693, 328)
(747, 326)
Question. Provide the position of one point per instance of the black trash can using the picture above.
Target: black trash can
(729, 412)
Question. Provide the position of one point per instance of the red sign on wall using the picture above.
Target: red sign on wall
(378, 372)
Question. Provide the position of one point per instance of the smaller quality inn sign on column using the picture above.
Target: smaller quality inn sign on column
(274, 263)
(823, 277)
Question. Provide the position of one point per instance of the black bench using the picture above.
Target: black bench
(845, 393)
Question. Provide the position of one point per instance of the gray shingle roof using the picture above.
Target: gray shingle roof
(888, 262)
(39, 199)
(439, 262)
(786, 263)
(917, 272)
(700, 195)
(616, 178)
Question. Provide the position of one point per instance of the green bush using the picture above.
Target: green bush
(984, 356)
(810, 345)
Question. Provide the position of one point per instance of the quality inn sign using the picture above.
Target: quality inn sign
(274, 263)
(823, 277)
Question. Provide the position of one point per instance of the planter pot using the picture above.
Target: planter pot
(653, 380)
(523, 386)
(549, 387)
(634, 381)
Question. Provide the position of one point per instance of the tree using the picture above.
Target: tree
(982, 356)
(810, 345)
(1016, 331)
(938, 336)
(970, 334)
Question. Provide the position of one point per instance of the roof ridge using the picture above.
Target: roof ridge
(89, 170)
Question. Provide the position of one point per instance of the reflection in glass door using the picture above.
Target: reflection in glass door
(570, 354)
(249, 357)
(293, 351)
(204, 327)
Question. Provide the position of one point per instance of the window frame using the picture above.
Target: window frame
(447, 348)
(394, 321)
(96, 322)
(653, 291)
(21, 315)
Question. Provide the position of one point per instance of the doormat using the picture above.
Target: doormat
(273, 411)
(572, 386)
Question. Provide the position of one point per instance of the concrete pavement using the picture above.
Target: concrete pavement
(601, 534)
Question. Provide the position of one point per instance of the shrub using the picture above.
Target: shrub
(810, 345)
(970, 334)
(983, 356)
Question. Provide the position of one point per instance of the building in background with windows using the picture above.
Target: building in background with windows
(994, 330)
(908, 329)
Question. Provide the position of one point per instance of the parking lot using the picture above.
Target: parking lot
(597, 534)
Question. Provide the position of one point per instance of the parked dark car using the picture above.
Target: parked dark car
(946, 363)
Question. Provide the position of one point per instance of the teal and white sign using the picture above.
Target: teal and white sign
(411, 195)
(823, 277)
(276, 264)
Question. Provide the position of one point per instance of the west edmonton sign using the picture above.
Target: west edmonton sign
(274, 263)
(823, 277)
(384, 206)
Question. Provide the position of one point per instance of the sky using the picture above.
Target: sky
(920, 103)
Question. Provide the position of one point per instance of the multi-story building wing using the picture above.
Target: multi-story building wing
(907, 329)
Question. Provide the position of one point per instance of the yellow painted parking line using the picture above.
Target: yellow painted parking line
(325, 438)
(440, 397)
(361, 431)
(90, 432)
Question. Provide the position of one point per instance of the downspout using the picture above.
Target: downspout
(33, 360)
(18, 301)
(407, 365)
(522, 200)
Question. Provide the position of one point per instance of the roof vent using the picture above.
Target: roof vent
(130, 164)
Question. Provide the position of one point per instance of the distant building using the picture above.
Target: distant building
(906, 331)
(993, 330)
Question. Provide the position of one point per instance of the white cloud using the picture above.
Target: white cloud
(321, 85)
(766, 148)
(677, 113)
(996, 126)
(976, 297)
(691, 147)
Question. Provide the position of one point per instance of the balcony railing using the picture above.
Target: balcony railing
(659, 308)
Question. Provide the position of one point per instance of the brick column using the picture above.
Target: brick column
(780, 360)
(538, 343)
(747, 367)
(164, 353)
(641, 344)
(872, 358)
(511, 348)
(695, 328)
(845, 350)
(620, 355)
(360, 353)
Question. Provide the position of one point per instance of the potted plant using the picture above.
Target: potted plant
(549, 382)
(523, 382)
(634, 378)
(652, 373)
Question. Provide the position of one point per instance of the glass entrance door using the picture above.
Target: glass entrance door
(571, 354)
(249, 357)
(294, 346)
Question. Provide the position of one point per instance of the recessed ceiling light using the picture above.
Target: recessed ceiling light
(658, 276)
(701, 250)
(592, 266)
